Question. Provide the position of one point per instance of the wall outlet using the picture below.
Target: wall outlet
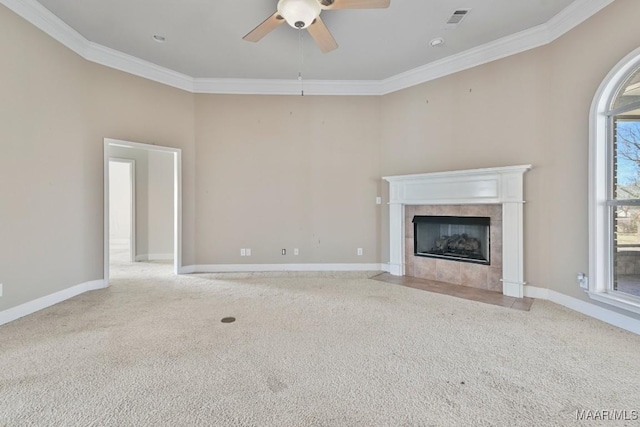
(243, 252)
(583, 281)
(0, 289)
(359, 251)
(295, 251)
(284, 252)
(248, 251)
(378, 200)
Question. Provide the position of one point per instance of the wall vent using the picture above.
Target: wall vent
(456, 17)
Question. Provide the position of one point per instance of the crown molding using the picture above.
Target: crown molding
(474, 57)
(570, 17)
(573, 15)
(287, 87)
(139, 67)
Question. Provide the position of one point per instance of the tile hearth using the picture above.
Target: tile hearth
(464, 292)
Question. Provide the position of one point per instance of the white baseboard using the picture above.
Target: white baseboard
(154, 257)
(611, 317)
(30, 307)
(252, 268)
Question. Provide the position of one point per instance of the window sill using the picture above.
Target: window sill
(626, 302)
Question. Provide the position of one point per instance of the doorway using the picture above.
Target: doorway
(142, 204)
(122, 210)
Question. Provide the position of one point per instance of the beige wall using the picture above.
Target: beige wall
(528, 108)
(161, 197)
(43, 183)
(284, 172)
(56, 109)
(270, 172)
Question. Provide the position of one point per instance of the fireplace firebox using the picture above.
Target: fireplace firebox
(456, 238)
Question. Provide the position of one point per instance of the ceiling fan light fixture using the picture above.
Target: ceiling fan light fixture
(299, 13)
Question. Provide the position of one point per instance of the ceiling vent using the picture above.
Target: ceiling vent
(456, 18)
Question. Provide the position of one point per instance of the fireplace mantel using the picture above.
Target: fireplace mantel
(502, 185)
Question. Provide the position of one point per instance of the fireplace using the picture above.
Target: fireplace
(457, 238)
(458, 191)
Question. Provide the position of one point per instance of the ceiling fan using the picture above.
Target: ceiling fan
(306, 14)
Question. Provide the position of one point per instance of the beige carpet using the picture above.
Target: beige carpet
(306, 350)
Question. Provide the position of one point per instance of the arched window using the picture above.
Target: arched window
(615, 188)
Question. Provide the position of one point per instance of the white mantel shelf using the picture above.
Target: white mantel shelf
(502, 185)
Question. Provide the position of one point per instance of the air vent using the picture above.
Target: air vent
(456, 18)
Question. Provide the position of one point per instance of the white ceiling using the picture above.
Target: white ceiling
(204, 37)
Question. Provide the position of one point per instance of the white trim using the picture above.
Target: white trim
(567, 19)
(41, 303)
(154, 257)
(177, 175)
(599, 231)
(616, 319)
(138, 67)
(630, 304)
(288, 87)
(232, 268)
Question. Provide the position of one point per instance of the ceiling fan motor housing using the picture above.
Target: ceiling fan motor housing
(299, 13)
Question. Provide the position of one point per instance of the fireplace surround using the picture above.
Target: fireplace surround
(501, 186)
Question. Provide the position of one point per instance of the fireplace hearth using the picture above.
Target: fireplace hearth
(456, 238)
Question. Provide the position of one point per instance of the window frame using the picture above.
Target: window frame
(600, 287)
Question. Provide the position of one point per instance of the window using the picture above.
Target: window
(615, 188)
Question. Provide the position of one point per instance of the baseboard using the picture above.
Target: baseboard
(250, 268)
(154, 257)
(611, 317)
(38, 304)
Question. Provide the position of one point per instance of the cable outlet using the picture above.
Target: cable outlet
(284, 252)
(583, 281)
(243, 252)
(248, 251)
(359, 251)
(295, 251)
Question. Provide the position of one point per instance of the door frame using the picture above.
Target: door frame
(177, 198)
(132, 211)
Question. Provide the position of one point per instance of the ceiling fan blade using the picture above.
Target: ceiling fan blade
(354, 4)
(265, 28)
(322, 36)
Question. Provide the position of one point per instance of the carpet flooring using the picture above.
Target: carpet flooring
(306, 350)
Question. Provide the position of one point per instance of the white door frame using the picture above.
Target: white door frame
(177, 198)
(132, 211)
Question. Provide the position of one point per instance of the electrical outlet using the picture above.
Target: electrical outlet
(284, 252)
(378, 200)
(583, 281)
(243, 252)
(0, 289)
(359, 251)
(295, 251)
(248, 251)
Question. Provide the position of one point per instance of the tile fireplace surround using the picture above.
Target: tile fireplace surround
(450, 271)
(498, 192)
